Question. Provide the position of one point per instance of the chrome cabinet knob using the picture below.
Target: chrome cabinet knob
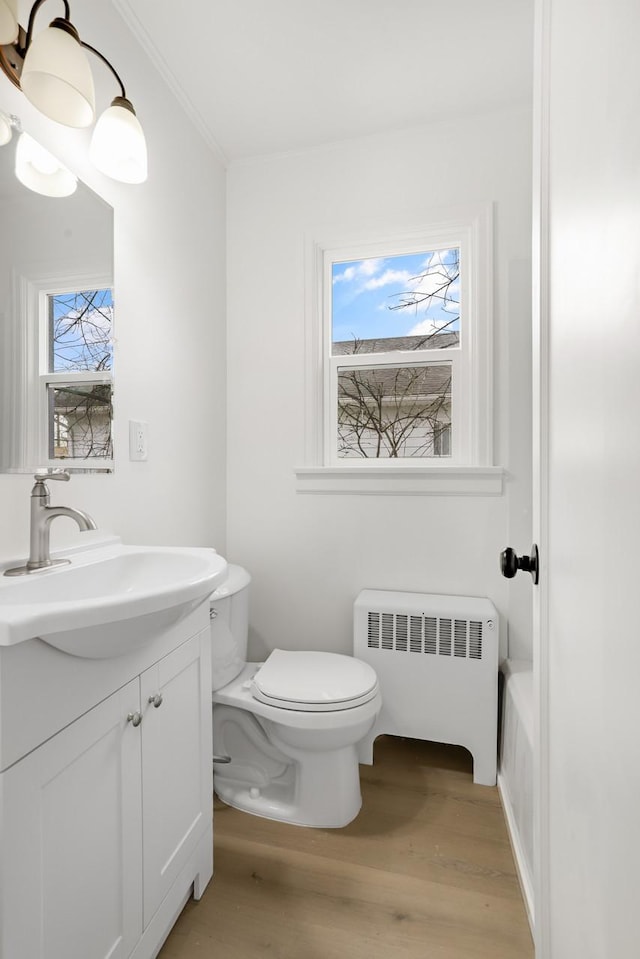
(155, 700)
(134, 718)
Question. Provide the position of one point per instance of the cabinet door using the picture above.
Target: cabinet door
(71, 840)
(176, 764)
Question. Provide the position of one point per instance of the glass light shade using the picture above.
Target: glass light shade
(57, 79)
(6, 130)
(8, 21)
(118, 147)
(40, 171)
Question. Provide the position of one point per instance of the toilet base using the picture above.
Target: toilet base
(300, 768)
(272, 802)
(270, 777)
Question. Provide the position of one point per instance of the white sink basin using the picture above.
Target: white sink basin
(109, 599)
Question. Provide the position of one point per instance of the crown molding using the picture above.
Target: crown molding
(133, 22)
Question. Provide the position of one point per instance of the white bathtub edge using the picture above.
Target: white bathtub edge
(524, 876)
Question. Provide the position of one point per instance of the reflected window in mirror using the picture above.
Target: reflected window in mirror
(77, 327)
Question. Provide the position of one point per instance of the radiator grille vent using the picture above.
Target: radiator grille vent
(419, 633)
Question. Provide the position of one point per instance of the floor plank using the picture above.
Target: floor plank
(424, 872)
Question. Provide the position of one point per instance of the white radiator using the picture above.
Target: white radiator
(436, 658)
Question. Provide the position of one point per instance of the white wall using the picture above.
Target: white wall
(311, 554)
(169, 365)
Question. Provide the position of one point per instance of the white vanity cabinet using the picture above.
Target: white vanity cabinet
(72, 840)
(106, 827)
(177, 783)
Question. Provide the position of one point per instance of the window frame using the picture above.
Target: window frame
(31, 297)
(458, 357)
(470, 468)
(48, 378)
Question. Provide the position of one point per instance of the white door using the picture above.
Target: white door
(72, 840)
(587, 622)
(177, 777)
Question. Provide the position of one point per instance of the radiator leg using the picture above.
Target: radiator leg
(484, 766)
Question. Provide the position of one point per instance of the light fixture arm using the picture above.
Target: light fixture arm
(59, 21)
(102, 57)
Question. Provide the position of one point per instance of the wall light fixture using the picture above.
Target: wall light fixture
(53, 72)
(34, 166)
(41, 172)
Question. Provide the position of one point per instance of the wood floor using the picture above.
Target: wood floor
(424, 872)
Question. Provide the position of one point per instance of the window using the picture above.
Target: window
(76, 360)
(399, 361)
(392, 380)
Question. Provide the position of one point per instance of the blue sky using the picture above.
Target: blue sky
(365, 290)
(84, 346)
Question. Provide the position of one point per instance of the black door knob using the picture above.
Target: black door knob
(510, 563)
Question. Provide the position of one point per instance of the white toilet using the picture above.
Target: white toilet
(290, 725)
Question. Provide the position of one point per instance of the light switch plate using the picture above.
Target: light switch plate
(138, 440)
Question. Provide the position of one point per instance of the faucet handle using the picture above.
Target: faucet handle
(43, 475)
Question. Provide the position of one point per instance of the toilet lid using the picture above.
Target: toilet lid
(314, 682)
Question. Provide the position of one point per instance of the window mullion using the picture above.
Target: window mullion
(349, 361)
(91, 376)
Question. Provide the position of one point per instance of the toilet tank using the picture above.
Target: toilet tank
(229, 610)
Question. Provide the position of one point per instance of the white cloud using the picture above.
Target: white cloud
(436, 284)
(425, 327)
(364, 268)
(370, 267)
(387, 278)
(346, 276)
(96, 323)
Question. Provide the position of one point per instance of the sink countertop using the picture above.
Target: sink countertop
(107, 583)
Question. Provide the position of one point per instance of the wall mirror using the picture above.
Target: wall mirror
(56, 318)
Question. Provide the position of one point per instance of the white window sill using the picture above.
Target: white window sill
(402, 481)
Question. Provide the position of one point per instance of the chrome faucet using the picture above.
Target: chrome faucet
(42, 515)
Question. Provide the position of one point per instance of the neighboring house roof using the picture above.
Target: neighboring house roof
(393, 344)
(430, 383)
(85, 399)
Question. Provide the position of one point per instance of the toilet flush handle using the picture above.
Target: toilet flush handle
(222, 759)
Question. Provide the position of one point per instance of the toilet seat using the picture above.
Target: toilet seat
(314, 681)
